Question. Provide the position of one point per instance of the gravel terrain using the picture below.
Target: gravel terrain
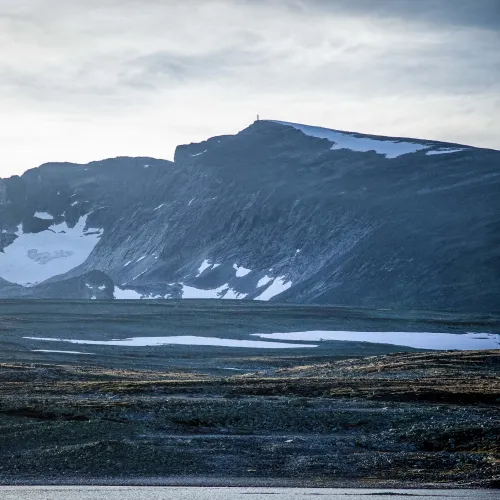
(343, 414)
(421, 418)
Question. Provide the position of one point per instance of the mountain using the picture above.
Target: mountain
(279, 211)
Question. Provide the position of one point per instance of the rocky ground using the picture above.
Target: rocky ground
(408, 419)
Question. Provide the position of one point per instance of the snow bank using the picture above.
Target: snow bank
(241, 271)
(36, 257)
(347, 140)
(43, 215)
(123, 294)
(443, 151)
(276, 287)
(180, 340)
(419, 340)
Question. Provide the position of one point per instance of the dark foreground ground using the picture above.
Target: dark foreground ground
(343, 414)
(401, 419)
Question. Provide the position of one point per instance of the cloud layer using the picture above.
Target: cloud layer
(85, 80)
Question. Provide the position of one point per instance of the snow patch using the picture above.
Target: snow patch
(418, 340)
(43, 215)
(278, 286)
(348, 140)
(264, 281)
(141, 258)
(204, 265)
(444, 151)
(75, 203)
(159, 206)
(189, 292)
(241, 271)
(128, 263)
(233, 294)
(35, 257)
(199, 154)
(123, 294)
(181, 340)
(138, 276)
(191, 201)
(62, 352)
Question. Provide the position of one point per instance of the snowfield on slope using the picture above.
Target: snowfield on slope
(349, 140)
(188, 292)
(43, 216)
(35, 257)
(278, 286)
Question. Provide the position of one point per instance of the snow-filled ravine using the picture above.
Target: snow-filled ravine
(36, 257)
(180, 340)
(418, 340)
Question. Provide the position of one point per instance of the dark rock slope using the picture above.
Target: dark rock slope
(275, 212)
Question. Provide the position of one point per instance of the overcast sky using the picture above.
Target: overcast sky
(85, 80)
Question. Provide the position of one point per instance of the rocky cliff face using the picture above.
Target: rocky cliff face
(278, 211)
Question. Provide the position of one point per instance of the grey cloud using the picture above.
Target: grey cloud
(381, 63)
(169, 68)
(478, 13)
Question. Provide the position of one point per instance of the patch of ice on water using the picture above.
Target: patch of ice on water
(181, 340)
(35, 257)
(43, 215)
(349, 140)
(278, 286)
(418, 340)
(241, 271)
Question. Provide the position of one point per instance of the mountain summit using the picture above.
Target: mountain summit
(279, 211)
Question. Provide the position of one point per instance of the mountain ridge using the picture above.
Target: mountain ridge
(311, 222)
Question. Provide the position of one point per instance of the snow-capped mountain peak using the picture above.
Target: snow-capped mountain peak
(279, 211)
